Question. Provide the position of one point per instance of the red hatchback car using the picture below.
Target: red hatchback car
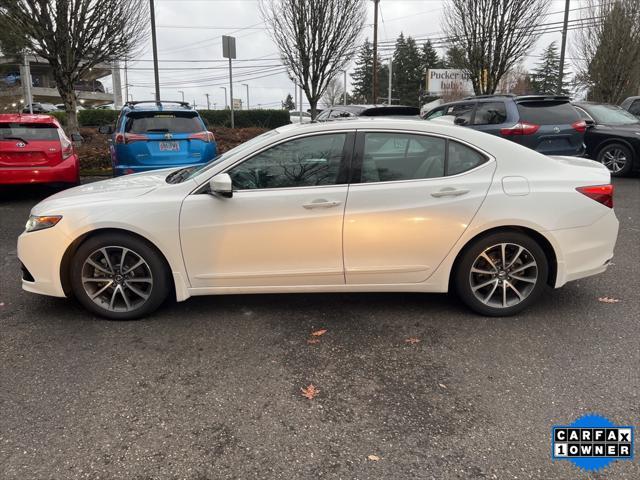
(35, 149)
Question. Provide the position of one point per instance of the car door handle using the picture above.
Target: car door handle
(321, 203)
(449, 192)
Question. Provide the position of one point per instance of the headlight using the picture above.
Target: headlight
(40, 223)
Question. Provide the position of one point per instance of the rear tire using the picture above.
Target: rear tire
(119, 276)
(618, 158)
(501, 274)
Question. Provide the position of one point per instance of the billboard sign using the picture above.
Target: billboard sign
(440, 80)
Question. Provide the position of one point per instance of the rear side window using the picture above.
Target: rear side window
(463, 111)
(462, 158)
(490, 113)
(163, 122)
(547, 113)
(28, 131)
(635, 108)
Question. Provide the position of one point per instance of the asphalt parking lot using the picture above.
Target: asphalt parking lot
(211, 388)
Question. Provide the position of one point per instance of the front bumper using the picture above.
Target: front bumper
(67, 171)
(41, 255)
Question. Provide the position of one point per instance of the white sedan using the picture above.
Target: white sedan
(360, 205)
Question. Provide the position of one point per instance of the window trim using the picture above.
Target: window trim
(343, 170)
(358, 155)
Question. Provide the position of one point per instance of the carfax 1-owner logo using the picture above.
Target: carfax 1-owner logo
(592, 442)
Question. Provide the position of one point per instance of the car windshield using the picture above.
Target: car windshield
(187, 173)
(610, 114)
(163, 122)
(28, 131)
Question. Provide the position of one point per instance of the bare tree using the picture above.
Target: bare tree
(76, 35)
(316, 39)
(333, 94)
(493, 34)
(607, 50)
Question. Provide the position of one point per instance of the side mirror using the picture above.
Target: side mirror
(460, 121)
(105, 129)
(589, 122)
(76, 138)
(222, 185)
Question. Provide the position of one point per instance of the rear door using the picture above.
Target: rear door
(412, 197)
(30, 145)
(560, 130)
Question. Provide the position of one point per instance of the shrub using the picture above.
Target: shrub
(90, 118)
(246, 118)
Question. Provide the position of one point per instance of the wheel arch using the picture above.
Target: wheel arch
(65, 264)
(544, 243)
(609, 141)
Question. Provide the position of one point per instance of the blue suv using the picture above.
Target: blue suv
(150, 135)
(546, 123)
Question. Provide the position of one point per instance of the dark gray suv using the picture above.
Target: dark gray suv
(547, 124)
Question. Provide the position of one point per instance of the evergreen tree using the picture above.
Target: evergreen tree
(454, 58)
(408, 73)
(430, 58)
(544, 78)
(288, 103)
(362, 76)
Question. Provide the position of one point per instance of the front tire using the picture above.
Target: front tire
(501, 274)
(119, 276)
(618, 158)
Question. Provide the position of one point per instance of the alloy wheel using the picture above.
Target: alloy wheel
(503, 275)
(117, 279)
(614, 159)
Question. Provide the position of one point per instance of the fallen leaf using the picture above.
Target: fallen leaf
(319, 333)
(412, 340)
(442, 385)
(310, 392)
(608, 300)
(313, 341)
(373, 458)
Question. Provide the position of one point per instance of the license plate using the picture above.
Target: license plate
(169, 147)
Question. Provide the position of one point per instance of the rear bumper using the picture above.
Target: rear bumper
(586, 250)
(67, 171)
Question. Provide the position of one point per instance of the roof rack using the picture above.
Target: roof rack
(137, 102)
(511, 95)
(543, 97)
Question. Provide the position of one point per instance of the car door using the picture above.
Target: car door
(412, 197)
(283, 224)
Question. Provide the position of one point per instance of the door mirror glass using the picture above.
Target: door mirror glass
(589, 122)
(105, 129)
(460, 121)
(221, 185)
(76, 138)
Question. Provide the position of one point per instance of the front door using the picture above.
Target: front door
(283, 225)
(417, 195)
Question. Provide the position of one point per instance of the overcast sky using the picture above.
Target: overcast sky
(189, 32)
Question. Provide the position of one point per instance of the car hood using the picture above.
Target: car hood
(128, 186)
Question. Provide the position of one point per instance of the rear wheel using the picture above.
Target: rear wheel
(119, 277)
(501, 274)
(618, 158)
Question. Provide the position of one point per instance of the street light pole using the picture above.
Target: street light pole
(344, 100)
(375, 52)
(181, 92)
(154, 45)
(208, 104)
(225, 96)
(247, 87)
(390, 78)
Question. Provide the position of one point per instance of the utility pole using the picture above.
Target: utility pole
(126, 81)
(208, 103)
(563, 46)
(27, 83)
(154, 45)
(390, 78)
(247, 87)
(300, 104)
(225, 96)
(375, 52)
(182, 93)
(229, 51)
(344, 100)
(194, 103)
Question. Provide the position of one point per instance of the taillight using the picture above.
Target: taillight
(600, 193)
(67, 146)
(130, 137)
(579, 126)
(520, 128)
(204, 136)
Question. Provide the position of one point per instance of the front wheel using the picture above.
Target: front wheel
(119, 277)
(501, 274)
(618, 159)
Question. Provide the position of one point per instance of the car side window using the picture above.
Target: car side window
(635, 108)
(583, 114)
(462, 158)
(340, 114)
(490, 113)
(438, 112)
(398, 156)
(323, 116)
(303, 162)
(463, 111)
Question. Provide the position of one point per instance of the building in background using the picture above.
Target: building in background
(90, 91)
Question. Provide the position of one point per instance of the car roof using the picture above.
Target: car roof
(28, 118)
(153, 106)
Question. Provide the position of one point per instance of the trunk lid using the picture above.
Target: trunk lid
(31, 145)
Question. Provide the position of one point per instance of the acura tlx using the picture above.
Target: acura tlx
(365, 205)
